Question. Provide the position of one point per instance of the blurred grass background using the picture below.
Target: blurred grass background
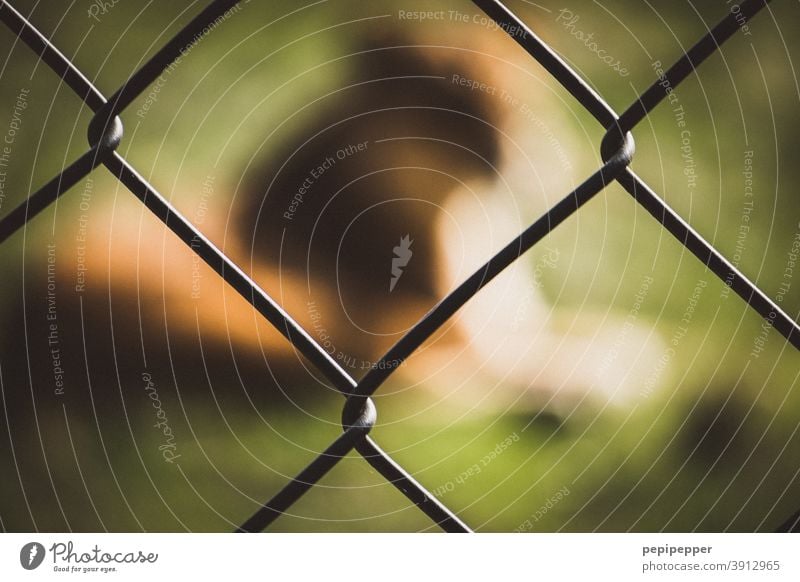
(715, 448)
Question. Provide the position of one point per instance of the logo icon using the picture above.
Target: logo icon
(31, 555)
(402, 254)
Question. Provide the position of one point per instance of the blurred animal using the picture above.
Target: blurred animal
(420, 144)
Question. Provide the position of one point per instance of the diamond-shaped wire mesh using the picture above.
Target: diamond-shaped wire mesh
(105, 134)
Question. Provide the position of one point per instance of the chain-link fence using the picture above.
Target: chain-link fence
(105, 133)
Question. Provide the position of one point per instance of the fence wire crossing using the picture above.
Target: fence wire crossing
(105, 133)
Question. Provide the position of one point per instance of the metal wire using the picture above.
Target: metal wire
(617, 148)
